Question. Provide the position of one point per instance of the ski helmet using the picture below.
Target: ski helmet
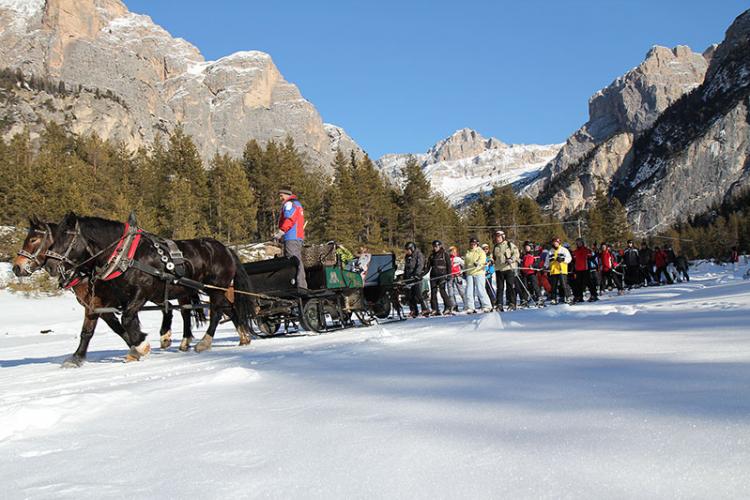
(410, 246)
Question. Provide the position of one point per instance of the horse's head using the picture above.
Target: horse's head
(33, 253)
(68, 247)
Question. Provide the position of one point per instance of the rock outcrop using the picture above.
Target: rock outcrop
(161, 80)
(465, 164)
(617, 114)
(697, 154)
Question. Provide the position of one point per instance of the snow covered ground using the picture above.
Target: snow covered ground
(645, 395)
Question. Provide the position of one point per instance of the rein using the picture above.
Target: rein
(68, 275)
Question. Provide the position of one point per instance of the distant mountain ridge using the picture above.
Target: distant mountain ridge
(161, 81)
(467, 163)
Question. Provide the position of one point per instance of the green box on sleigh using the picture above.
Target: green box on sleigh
(336, 277)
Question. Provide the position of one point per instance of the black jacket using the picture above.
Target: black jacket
(414, 265)
(646, 256)
(630, 257)
(439, 264)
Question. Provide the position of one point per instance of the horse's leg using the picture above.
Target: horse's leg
(139, 345)
(245, 332)
(87, 331)
(187, 325)
(114, 324)
(165, 332)
(207, 340)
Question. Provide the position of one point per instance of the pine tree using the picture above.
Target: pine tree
(232, 204)
(596, 224)
(186, 198)
(341, 223)
(616, 221)
(416, 205)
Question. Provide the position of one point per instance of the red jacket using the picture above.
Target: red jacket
(660, 258)
(527, 263)
(581, 258)
(608, 261)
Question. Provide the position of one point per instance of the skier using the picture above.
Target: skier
(646, 261)
(489, 273)
(440, 269)
(682, 265)
(474, 261)
(291, 230)
(660, 260)
(581, 256)
(631, 261)
(506, 257)
(413, 273)
(530, 266)
(456, 281)
(608, 265)
(558, 260)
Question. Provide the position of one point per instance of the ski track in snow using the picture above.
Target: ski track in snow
(641, 395)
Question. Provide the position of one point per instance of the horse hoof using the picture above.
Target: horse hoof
(245, 337)
(203, 345)
(185, 345)
(138, 351)
(166, 339)
(72, 362)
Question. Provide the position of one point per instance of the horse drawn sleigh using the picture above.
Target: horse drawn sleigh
(116, 269)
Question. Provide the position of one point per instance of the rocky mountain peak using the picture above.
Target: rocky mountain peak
(633, 101)
(159, 80)
(463, 143)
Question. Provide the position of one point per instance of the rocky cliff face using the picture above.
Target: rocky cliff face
(617, 114)
(697, 153)
(160, 80)
(466, 163)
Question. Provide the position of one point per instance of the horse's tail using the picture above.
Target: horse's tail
(199, 313)
(244, 305)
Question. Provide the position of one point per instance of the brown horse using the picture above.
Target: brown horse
(83, 244)
(32, 257)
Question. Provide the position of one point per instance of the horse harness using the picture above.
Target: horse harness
(123, 258)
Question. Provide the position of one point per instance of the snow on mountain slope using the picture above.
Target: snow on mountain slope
(643, 395)
(466, 163)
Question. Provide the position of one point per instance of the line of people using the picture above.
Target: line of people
(506, 277)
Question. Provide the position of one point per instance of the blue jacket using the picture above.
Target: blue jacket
(292, 220)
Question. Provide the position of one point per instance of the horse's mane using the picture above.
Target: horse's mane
(99, 230)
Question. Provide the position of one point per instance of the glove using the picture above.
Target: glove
(560, 258)
(278, 235)
(509, 262)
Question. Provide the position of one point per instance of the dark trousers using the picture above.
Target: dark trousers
(611, 278)
(583, 281)
(531, 288)
(440, 285)
(632, 276)
(416, 299)
(684, 274)
(505, 286)
(293, 248)
(667, 277)
(647, 276)
(559, 283)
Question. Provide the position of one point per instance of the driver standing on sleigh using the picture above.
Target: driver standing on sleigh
(291, 231)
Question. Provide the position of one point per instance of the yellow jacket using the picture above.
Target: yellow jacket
(556, 267)
(474, 261)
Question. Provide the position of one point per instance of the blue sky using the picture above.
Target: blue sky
(401, 75)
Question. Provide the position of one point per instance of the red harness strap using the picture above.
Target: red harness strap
(118, 249)
(73, 283)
